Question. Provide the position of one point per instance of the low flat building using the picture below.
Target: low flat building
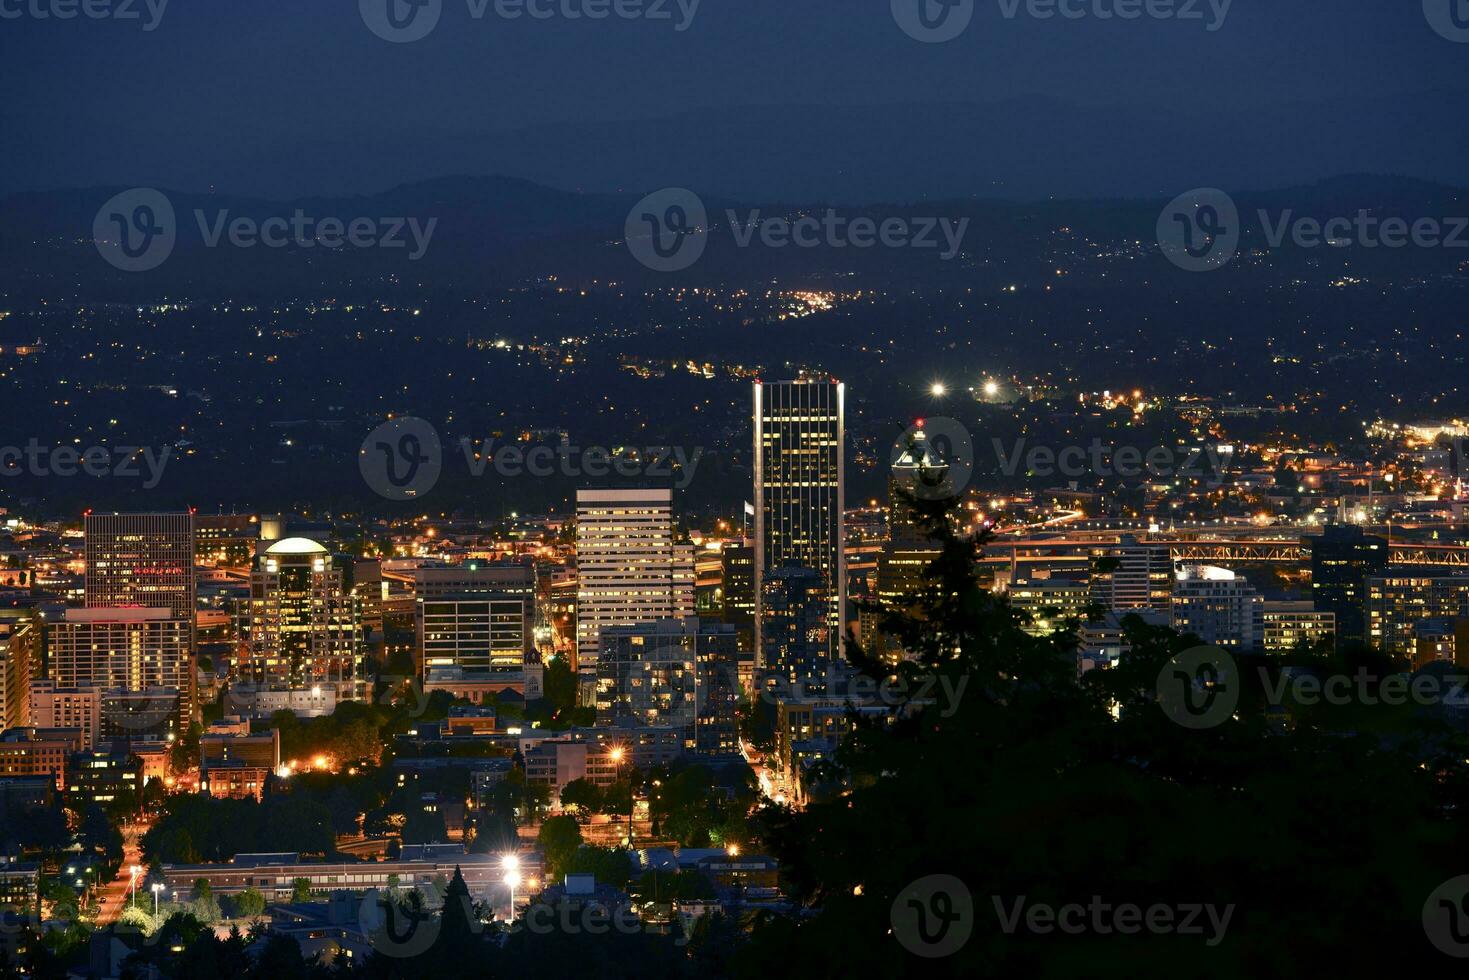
(1295, 625)
(275, 875)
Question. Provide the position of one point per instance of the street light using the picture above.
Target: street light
(133, 882)
(155, 888)
(510, 864)
(617, 755)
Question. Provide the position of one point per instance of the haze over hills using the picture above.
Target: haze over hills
(499, 232)
(1020, 149)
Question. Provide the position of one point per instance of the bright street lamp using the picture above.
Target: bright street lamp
(510, 863)
(155, 888)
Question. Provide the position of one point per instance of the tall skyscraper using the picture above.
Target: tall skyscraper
(629, 570)
(300, 623)
(800, 483)
(1342, 558)
(142, 560)
(138, 628)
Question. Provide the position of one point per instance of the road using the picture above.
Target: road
(115, 893)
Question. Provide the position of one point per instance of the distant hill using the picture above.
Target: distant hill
(1017, 149)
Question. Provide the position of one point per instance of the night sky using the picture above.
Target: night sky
(279, 98)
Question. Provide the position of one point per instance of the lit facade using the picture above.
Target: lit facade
(800, 487)
(629, 569)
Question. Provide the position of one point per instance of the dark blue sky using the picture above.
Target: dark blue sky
(276, 97)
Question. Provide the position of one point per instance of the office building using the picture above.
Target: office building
(675, 674)
(800, 484)
(1219, 607)
(1342, 558)
(300, 623)
(795, 629)
(126, 650)
(1292, 626)
(1400, 598)
(1133, 575)
(38, 752)
(141, 560)
(1049, 604)
(226, 539)
(20, 662)
(54, 706)
(474, 618)
(629, 568)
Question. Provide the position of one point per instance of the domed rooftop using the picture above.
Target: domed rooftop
(295, 546)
